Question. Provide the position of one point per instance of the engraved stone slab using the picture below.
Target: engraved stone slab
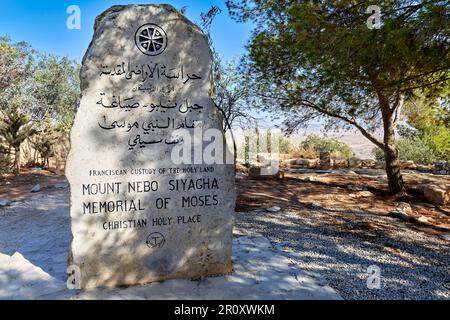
(152, 197)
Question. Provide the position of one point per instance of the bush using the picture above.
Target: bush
(5, 160)
(413, 148)
(301, 152)
(335, 147)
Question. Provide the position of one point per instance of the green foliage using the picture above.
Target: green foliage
(412, 148)
(284, 145)
(428, 121)
(5, 159)
(256, 142)
(56, 88)
(15, 63)
(46, 138)
(319, 59)
(38, 95)
(323, 144)
(230, 94)
(15, 122)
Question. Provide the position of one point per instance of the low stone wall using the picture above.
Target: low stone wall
(325, 162)
(442, 167)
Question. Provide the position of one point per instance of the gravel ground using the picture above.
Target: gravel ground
(341, 246)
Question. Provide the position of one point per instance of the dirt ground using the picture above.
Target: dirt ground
(332, 191)
(18, 187)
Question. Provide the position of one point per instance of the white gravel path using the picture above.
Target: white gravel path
(413, 264)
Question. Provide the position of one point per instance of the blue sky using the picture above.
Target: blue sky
(42, 23)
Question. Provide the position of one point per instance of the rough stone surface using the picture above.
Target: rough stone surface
(356, 187)
(138, 217)
(354, 162)
(368, 163)
(408, 165)
(442, 167)
(306, 163)
(435, 194)
(61, 186)
(273, 209)
(404, 207)
(340, 163)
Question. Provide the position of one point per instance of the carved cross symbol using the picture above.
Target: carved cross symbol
(151, 39)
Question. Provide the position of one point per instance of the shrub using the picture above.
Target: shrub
(413, 148)
(336, 147)
(301, 152)
(5, 160)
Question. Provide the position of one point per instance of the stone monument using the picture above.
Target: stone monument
(151, 199)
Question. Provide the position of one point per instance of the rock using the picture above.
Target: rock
(318, 179)
(290, 161)
(368, 163)
(422, 219)
(410, 165)
(36, 188)
(440, 165)
(400, 215)
(241, 168)
(307, 163)
(5, 202)
(402, 211)
(424, 168)
(240, 176)
(262, 158)
(404, 207)
(364, 194)
(446, 236)
(325, 156)
(356, 187)
(325, 162)
(315, 205)
(340, 163)
(254, 172)
(273, 209)
(435, 194)
(61, 186)
(354, 162)
(152, 201)
(380, 165)
(257, 172)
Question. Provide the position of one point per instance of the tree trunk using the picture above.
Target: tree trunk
(394, 176)
(17, 160)
(390, 116)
